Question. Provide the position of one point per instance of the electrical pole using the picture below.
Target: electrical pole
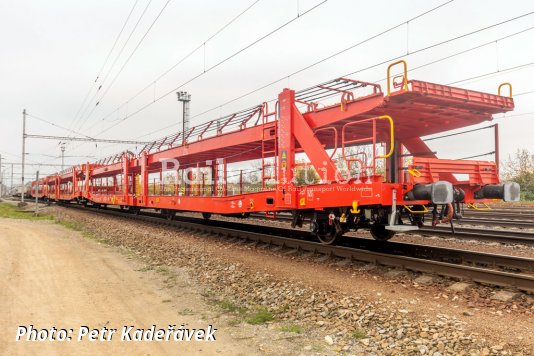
(36, 193)
(62, 156)
(185, 98)
(23, 154)
(11, 179)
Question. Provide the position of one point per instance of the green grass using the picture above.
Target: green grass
(162, 269)
(358, 334)
(231, 307)
(13, 212)
(71, 225)
(318, 348)
(186, 311)
(261, 316)
(292, 328)
(145, 269)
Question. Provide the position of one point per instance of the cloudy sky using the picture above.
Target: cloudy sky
(53, 51)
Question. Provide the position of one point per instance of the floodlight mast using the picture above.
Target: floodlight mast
(185, 98)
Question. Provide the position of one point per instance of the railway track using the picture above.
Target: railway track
(500, 214)
(492, 269)
(502, 236)
(461, 232)
(527, 224)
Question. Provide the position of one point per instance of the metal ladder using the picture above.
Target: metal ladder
(269, 151)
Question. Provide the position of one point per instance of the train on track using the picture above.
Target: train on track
(342, 155)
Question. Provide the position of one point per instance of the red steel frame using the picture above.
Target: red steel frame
(418, 109)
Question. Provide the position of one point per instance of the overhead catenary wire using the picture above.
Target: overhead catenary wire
(219, 63)
(212, 36)
(106, 60)
(114, 62)
(327, 58)
(56, 125)
(479, 155)
(315, 63)
(374, 65)
(459, 133)
(413, 52)
(181, 60)
(110, 85)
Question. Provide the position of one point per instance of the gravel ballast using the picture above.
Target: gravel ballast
(380, 320)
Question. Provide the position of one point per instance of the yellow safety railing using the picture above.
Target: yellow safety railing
(392, 136)
(424, 211)
(404, 78)
(509, 87)
(474, 206)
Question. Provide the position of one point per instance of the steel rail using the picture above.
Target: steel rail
(503, 236)
(520, 281)
(496, 222)
(520, 215)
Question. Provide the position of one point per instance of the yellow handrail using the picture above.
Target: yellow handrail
(424, 211)
(509, 86)
(475, 207)
(404, 79)
(392, 134)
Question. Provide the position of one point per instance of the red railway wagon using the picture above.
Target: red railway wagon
(391, 179)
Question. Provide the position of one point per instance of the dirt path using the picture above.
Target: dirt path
(53, 277)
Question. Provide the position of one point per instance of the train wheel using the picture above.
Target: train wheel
(206, 216)
(329, 239)
(325, 233)
(380, 233)
(134, 210)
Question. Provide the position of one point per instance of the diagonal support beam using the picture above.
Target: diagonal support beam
(313, 147)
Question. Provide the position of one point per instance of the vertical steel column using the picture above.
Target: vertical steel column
(125, 178)
(189, 179)
(176, 181)
(240, 181)
(115, 185)
(497, 155)
(161, 185)
(286, 150)
(144, 178)
(23, 154)
(400, 163)
(74, 181)
(36, 193)
(87, 181)
(215, 177)
(197, 179)
(393, 164)
(203, 187)
(58, 188)
(225, 186)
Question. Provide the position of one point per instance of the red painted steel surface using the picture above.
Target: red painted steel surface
(296, 125)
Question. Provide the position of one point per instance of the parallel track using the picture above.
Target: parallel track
(461, 232)
(527, 224)
(484, 268)
(502, 236)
